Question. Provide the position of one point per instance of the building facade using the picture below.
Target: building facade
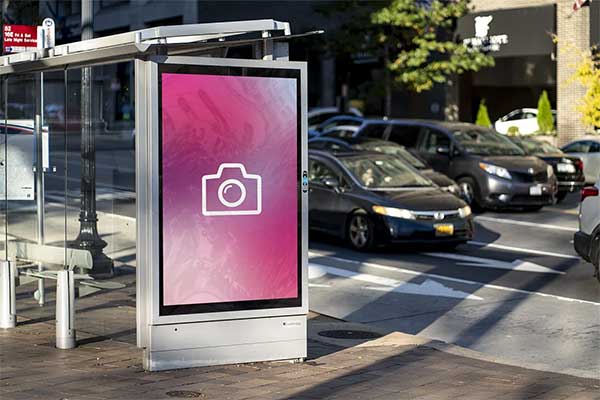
(528, 61)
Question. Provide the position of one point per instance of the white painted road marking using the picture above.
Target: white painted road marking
(525, 223)
(517, 265)
(427, 288)
(521, 250)
(449, 279)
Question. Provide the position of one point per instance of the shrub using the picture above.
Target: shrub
(545, 118)
(483, 118)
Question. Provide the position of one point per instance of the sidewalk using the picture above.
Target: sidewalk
(107, 365)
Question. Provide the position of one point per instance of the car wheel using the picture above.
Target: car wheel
(361, 232)
(560, 196)
(469, 189)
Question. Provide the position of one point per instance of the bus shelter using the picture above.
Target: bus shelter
(181, 147)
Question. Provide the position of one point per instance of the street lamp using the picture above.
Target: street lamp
(88, 238)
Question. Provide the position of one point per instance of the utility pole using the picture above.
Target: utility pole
(88, 238)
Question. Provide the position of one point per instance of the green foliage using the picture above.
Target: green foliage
(483, 118)
(588, 74)
(423, 50)
(414, 41)
(545, 119)
(513, 131)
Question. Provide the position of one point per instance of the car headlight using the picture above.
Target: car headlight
(495, 170)
(465, 212)
(394, 212)
(550, 171)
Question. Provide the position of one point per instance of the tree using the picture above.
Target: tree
(545, 119)
(414, 40)
(422, 48)
(588, 74)
(483, 118)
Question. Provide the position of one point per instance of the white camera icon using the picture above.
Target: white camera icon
(247, 188)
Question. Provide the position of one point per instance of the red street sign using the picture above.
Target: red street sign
(18, 38)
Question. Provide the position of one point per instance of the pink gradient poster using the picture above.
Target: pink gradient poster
(229, 188)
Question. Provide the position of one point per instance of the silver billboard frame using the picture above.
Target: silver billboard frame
(259, 326)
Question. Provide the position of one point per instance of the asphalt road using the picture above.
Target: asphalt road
(517, 292)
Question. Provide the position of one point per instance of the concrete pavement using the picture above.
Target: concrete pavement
(107, 365)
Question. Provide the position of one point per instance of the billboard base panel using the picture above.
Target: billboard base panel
(202, 344)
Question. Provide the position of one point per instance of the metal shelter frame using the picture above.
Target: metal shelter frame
(269, 41)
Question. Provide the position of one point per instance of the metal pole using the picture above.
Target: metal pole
(65, 310)
(8, 299)
(39, 184)
(88, 237)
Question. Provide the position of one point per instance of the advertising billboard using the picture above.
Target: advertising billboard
(229, 188)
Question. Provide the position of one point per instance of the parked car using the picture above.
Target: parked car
(492, 171)
(524, 119)
(587, 239)
(372, 199)
(341, 131)
(364, 144)
(340, 120)
(568, 169)
(319, 115)
(589, 152)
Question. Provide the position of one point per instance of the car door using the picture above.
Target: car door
(503, 124)
(435, 147)
(528, 123)
(323, 201)
(581, 149)
(592, 169)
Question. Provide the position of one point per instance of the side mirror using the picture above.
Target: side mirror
(444, 150)
(331, 183)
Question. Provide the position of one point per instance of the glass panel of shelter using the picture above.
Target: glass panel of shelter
(33, 190)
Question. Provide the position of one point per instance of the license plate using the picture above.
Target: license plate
(566, 168)
(444, 230)
(535, 190)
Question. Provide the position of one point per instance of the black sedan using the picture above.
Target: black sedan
(336, 145)
(568, 169)
(372, 199)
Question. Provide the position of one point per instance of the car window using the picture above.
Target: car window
(528, 115)
(340, 133)
(578, 147)
(433, 140)
(486, 142)
(595, 147)
(515, 116)
(405, 135)
(374, 131)
(382, 171)
(327, 145)
(341, 121)
(317, 171)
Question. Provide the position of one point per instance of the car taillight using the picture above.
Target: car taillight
(590, 191)
(579, 165)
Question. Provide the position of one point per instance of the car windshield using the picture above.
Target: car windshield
(394, 151)
(486, 142)
(535, 147)
(375, 171)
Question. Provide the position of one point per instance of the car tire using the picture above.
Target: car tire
(560, 196)
(360, 232)
(596, 257)
(469, 189)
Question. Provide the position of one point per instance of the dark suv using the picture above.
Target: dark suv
(491, 170)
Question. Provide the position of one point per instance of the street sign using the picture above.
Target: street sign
(49, 33)
(18, 38)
